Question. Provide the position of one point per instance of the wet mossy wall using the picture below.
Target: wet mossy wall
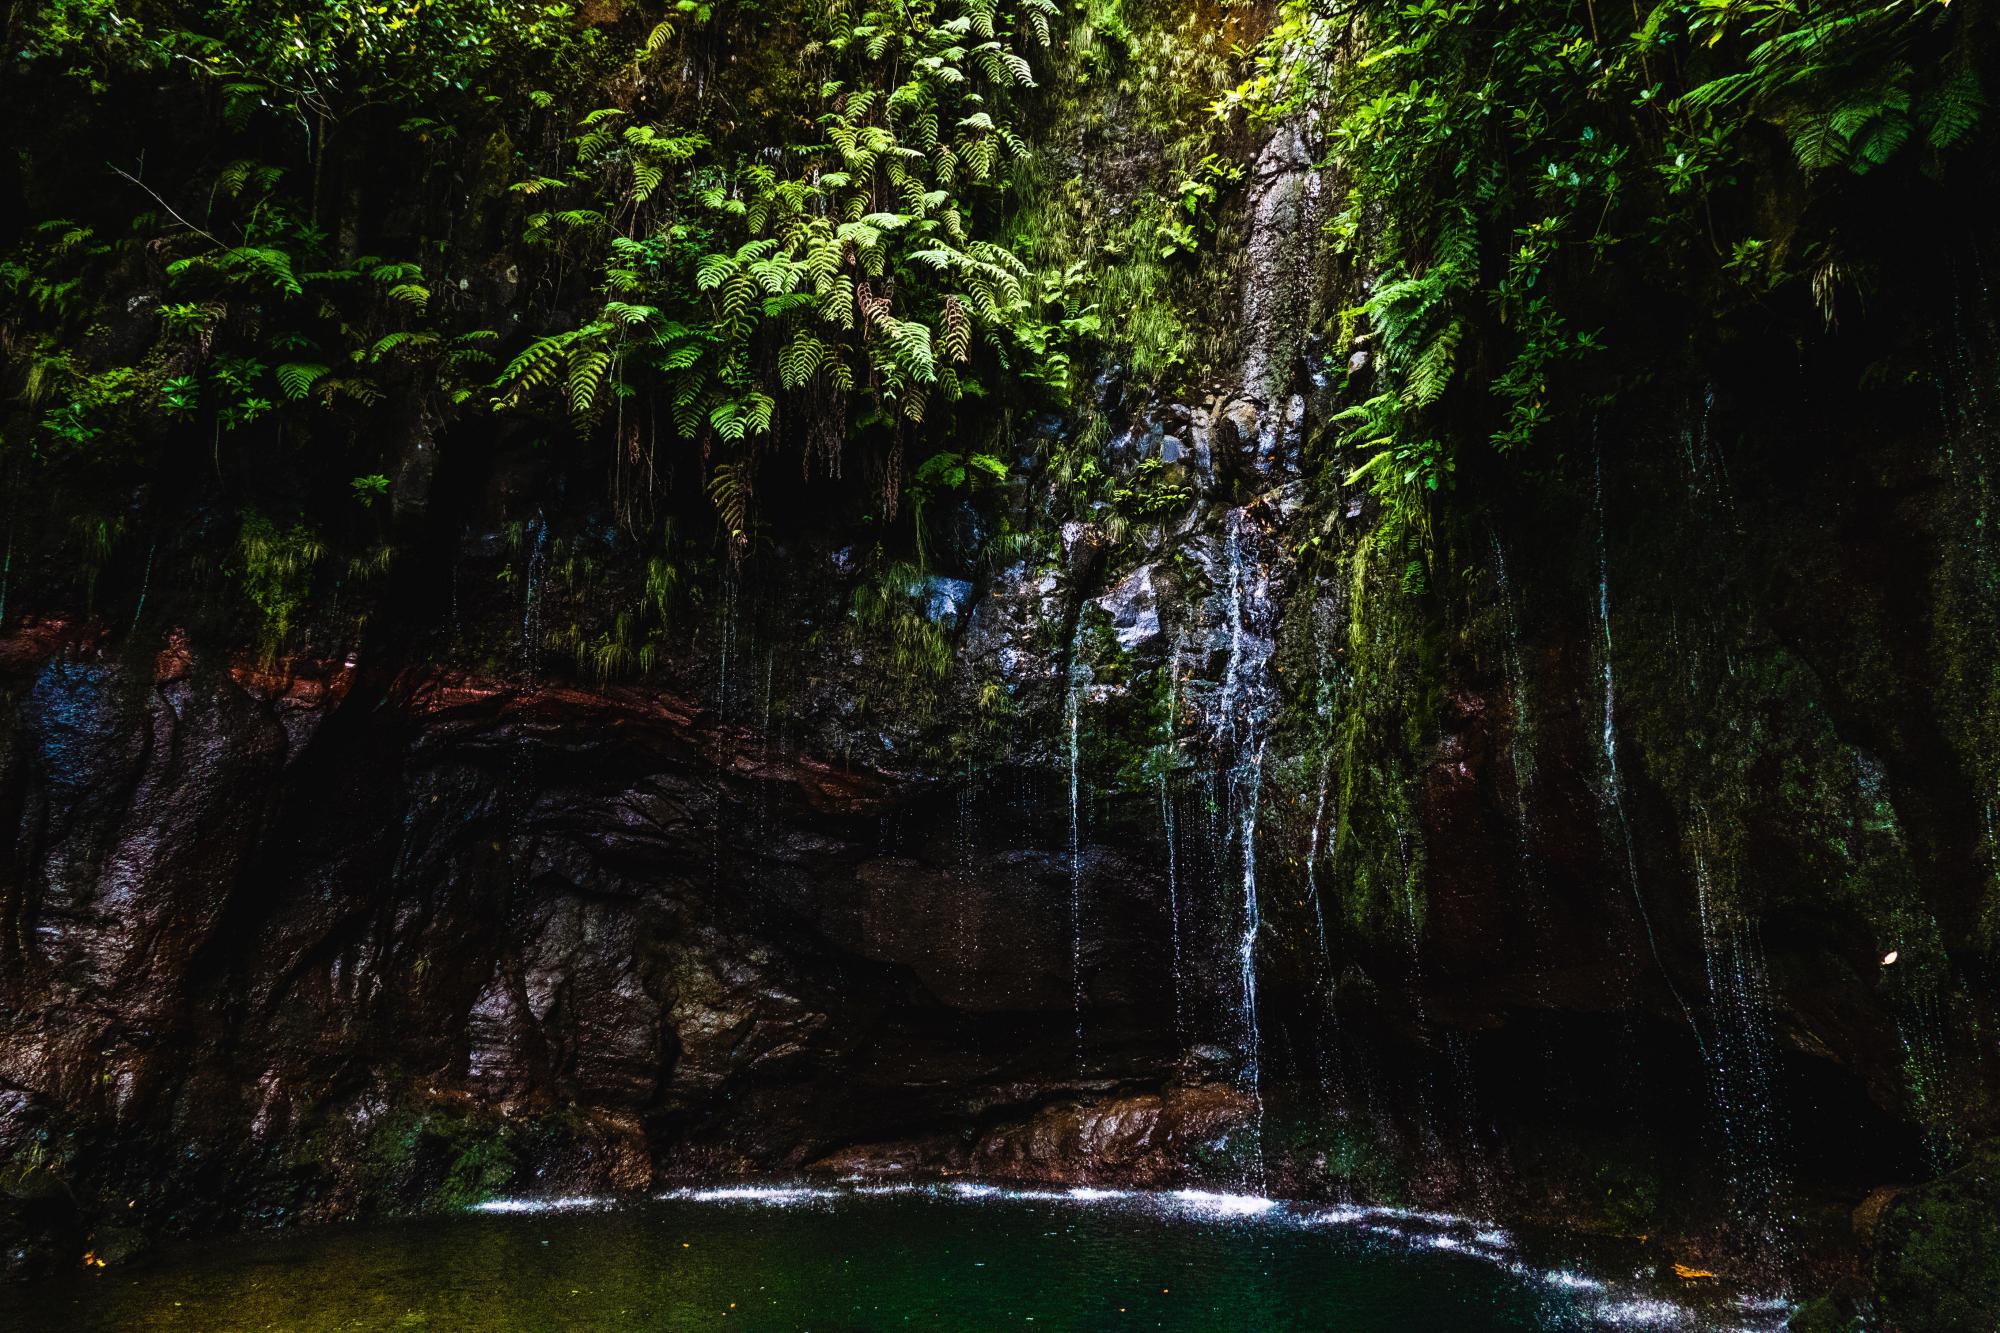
(1580, 819)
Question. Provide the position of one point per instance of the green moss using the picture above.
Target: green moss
(1394, 661)
(1823, 1314)
(274, 568)
(1629, 1196)
(432, 1158)
(1152, 71)
(1937, 1251)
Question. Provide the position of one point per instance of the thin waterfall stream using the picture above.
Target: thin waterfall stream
(1613, 788)
(1078, 684)
(1242, 710)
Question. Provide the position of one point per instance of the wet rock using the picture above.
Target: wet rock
(946, 600)
(1083, 547)
(1142, 1140)
(1133, 607)
(1007, 628)
(1288, 209)
(920, 1159)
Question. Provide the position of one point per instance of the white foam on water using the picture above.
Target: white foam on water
(1644, 1313)
(776, 1195)
(1419, 1215)
(1561, 1277)
(1224, 1205)
(1035, 1196)
(1625, 1305)
(559, 1205)
(1621, 1308)
(965, 1189)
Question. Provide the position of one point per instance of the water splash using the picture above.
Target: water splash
(568, 1204)
(1741, 1058)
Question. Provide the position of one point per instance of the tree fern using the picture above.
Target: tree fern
(297, 378)
(587, 368)
(1954, 107)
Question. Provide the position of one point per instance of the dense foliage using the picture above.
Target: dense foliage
(265, 268)
(257, 261)
(1516, 173)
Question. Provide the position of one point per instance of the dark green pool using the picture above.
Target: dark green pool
(958, 1259)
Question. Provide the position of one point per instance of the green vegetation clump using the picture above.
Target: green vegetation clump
(1516, 175)
(668, 238)
(1937, 1251)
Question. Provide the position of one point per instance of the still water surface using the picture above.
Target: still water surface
(959, 1258)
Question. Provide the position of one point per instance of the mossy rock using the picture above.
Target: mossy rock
(1937, 1252)
(1823, 1314)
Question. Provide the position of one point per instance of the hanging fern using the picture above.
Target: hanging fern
(297, 378)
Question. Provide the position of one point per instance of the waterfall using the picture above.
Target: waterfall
(531, 605)
(726, 643)
(1325, 982)
(145, 582)
(1740, 1055)
(1521, 753)
(1920, 1031)
(1253, 921)
(1313, 843)
(1613, 791)
(965, 946)
(1079, 680)
(1244, 748)
(1167, 829)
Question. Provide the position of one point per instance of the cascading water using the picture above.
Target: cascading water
(145, 582)
(1524, 769)
(725, 645)
(1325, 982)
(1521, 750)
(1313, 843)
(1248, 784)
(531, 605)
(1614, 797)
(1079, 682)
(966, 940)
(1167, 831)
(1242, 709)
(1740, 1057)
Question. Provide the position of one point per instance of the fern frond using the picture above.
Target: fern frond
(297, 378)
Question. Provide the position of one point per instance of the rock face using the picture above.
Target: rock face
(297, 949)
